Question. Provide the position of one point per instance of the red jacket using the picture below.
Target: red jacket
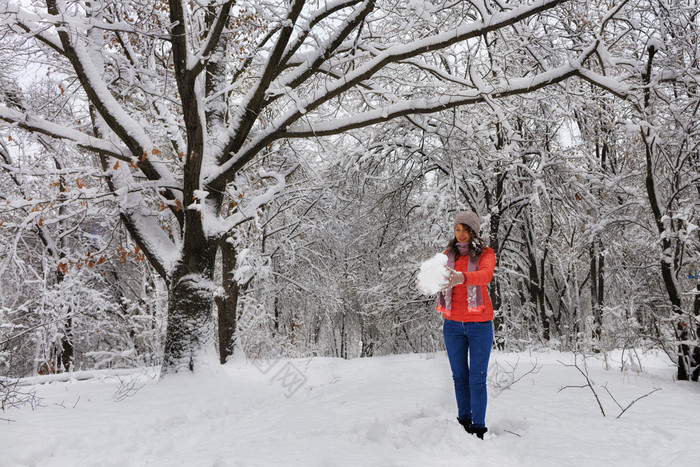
(481, 277)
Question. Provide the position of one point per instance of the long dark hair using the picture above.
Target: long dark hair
(476, 244)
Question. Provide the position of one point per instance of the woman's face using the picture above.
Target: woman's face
(461, 233)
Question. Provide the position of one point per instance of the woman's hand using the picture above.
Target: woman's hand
(455, 278)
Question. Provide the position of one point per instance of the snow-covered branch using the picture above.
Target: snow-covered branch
(251, 104)
(124, 126)
(317, 17)
(432, 105)
(38, 125)
(312, 62)
(29, 25)
(363, 72)
(215, 225)
(613, 85)
(213, 37)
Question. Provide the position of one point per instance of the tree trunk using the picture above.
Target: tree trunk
(495, 289)
(65, 358)
(695, 370)
(536, 279)
(190, 302)
(190, 292)
(688, 356)
(227, 304)
(343, 339)
(597, 288)
(369, 339)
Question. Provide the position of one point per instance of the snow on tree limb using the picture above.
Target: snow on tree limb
(610, 84)
(213, 37)
(319, 15)
(99, 94)
(356, 77)
(112, 112)
(38, 125)
(312, 62)
(217, 226)
(30, 25)
(424, 106)
(254, 99)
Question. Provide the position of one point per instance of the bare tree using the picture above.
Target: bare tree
(672, 181)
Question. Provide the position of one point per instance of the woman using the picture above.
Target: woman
(467, 330)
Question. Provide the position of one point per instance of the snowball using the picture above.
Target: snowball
(433, 274)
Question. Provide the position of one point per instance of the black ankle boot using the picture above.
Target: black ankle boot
(467, 424)
(479, 431)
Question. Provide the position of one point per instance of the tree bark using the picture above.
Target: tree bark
(190, 302)
(226, 305)
(495, 243)
(536, 278)
(597, 288)
(688, 357)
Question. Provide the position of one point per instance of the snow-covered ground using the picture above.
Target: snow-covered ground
(383, 411)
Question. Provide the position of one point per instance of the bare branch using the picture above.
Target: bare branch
(589, 383)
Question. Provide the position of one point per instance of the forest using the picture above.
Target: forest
(266, 176)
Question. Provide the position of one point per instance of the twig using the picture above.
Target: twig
(605, 386)
(588, 380)
(503, 386)
(534, 370)
(12, 396)
(25, 331)
(513, 433)
(570, 387)
(634, 401)
(127, 389)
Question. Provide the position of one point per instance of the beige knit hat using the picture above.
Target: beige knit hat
(470, 219)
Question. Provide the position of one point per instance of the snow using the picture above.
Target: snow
(93, 75)
(60, 131)
(294, 127)
(433, 274)
(420, 105)
(383, 411)
(215, 225)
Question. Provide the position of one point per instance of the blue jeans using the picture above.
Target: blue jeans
(468, 349)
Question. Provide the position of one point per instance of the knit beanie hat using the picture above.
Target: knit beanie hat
(470, 219)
